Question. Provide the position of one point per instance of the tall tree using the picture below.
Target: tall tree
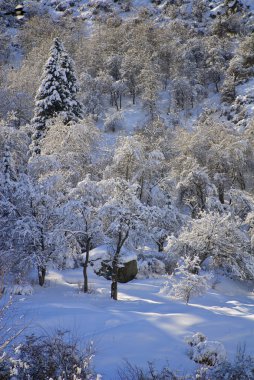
(123, 218)
(81, 222)
(221, 239)
(57, 94)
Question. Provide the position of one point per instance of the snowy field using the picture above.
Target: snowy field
(144, 324)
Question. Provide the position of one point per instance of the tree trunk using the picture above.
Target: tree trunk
(111, 99)
(141, 187)
(221, 193)
(114, 289)
(2, 287)
(115, 101)
(133, 98)
(241, 181)
(42, 269)
(114, 279)
(160, 246)
(85, 288)
(120, 243)
(85, 265)
(127, 173)
(41, 275)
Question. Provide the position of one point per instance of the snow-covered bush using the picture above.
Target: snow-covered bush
(242, 367)
(190, 285)
(206, 352)
(186, 282)
(220, 238)
(11, 326)
(23, 290)
(133, 372)
(113, 122)
(182, 94)
(195, 339)
(150, 267)
(241, 203)
(194, 189)
(228, 90)
(162, 222)
(55, 357)
(209, 352)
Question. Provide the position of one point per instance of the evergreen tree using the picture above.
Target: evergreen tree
(57, 93)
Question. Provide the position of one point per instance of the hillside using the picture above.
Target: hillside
(126, 189)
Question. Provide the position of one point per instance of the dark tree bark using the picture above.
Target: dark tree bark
(133, 97)
(85, 266)
(122, 237)
(141, 187)
(160, 245)
(84, 242)
(115, 98)
(241, 180)
(114, 291)
(42, 268)
(41, 275)
(221, 194)
(85, 276)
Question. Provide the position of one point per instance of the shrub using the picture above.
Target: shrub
(56, 357)
(133, 372)
(206, 352)
(151, 267)
(186, 282)
(241, 368)
(23, 290)
(113, 122)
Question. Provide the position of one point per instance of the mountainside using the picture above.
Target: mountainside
(126, 189)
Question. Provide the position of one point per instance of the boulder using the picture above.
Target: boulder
(101, 260)
(126, 272)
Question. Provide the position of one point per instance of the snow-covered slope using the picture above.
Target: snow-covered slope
(144, 325)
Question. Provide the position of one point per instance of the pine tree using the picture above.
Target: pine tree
(56, 95)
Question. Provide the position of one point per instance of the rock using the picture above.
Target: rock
(126, 272)
(101, 260)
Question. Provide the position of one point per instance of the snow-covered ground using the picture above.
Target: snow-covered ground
(144, 324)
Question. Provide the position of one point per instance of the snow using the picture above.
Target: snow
(100, 252)
(150, 267)
(24, 290)
(144, 324)
(244, 93)
(249, 3)
(103, 252)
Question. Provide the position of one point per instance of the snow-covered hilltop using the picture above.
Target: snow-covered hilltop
(126, 189)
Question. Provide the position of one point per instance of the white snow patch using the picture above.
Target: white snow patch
(144, 324)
